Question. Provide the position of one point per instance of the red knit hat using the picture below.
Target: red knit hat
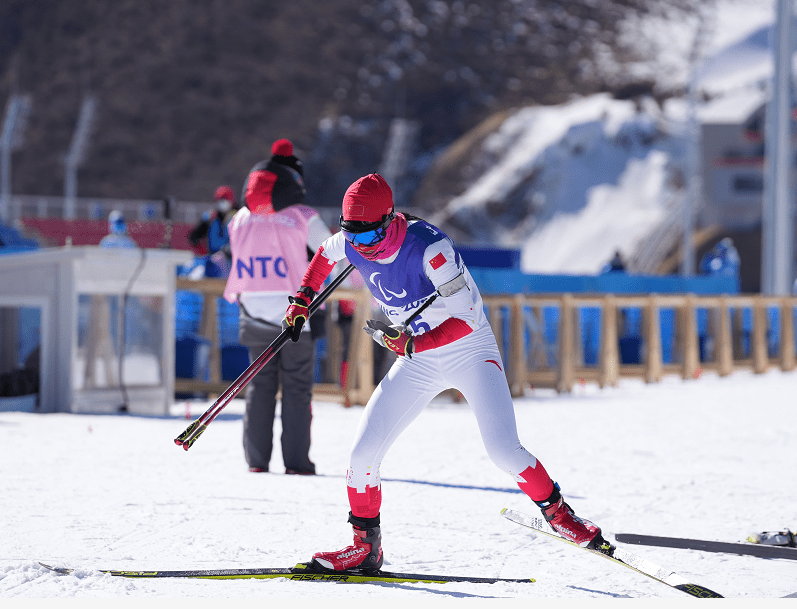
(282, 151)
(369, 199)
(282, 147)
(224, 192)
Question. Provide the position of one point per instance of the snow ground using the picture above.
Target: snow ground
(711, 458)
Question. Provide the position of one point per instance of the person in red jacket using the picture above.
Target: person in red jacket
(212, 228)
(406, 262)
(279, 178)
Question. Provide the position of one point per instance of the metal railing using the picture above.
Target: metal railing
(97, 208)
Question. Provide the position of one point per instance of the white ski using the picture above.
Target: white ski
(618, 555)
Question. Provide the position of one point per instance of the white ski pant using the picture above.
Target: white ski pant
(471, 365)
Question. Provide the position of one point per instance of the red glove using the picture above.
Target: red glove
(298, 313)
(391, 337)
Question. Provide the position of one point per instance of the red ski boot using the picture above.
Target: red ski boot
(564, 521)
(366, 553)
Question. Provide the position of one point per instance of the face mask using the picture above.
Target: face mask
(223, 205)
(389, 245)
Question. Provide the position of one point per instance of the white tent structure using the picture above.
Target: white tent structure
(91, 300)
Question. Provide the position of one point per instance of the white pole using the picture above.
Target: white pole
(5, 180)
(777, 217)
(76, 154)
(694, 183)
(6, 146)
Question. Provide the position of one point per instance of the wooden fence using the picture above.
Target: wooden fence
(359, 382)
(559, 340)
(704, 333)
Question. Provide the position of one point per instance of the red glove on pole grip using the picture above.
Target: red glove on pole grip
(297, 314)
(398, 341)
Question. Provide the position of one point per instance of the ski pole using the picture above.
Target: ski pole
(412, 317)
(195, 429)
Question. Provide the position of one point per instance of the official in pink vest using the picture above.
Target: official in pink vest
(270, 238)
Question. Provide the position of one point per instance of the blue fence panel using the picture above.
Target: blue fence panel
(705, 340)
(193, 350)
(590, 334)
(192, 358)
(320, 355)
(773, 331)
(506, 335)
(667, 325)
(188, 307)
(551, 317)
(228, 322)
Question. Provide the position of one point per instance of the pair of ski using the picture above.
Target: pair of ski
(305, 572)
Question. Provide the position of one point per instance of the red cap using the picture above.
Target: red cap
(368, 199)
(224, 192)
(282, 147)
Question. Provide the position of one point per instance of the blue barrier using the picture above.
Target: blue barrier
(12, 241)
(509, 281)
(490, 258)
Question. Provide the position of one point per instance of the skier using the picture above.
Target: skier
(405, 261)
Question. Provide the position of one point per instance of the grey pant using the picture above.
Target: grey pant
(292, 368)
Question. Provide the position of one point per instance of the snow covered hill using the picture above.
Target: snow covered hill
(573, 183)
